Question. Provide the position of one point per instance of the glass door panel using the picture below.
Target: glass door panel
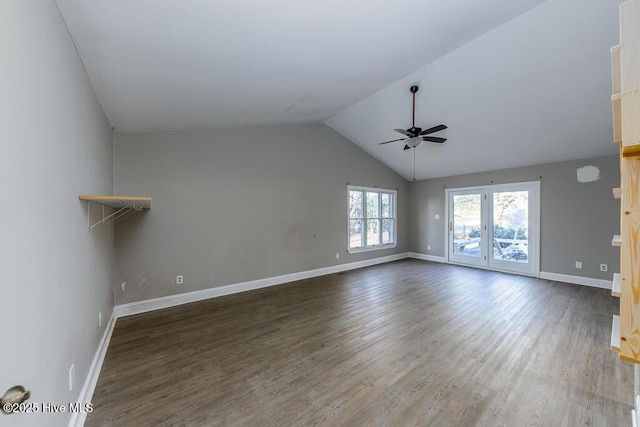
(467, 237)
(511, 226)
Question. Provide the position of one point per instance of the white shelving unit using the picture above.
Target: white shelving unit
(616, 241)
(615, 333)
(617, 193)
(615, 285)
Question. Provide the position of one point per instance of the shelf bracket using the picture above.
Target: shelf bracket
(115, 216)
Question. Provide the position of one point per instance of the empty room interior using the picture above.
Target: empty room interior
(409, 213)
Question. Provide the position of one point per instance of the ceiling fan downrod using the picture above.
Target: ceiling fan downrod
(413, 90)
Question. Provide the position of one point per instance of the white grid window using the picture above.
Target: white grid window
(372, 219)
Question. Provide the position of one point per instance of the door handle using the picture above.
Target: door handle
(14, 396)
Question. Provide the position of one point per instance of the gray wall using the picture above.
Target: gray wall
(234, 205)
(56, 144)
(577, 220)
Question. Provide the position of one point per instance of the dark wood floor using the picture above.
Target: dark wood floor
(400, 344)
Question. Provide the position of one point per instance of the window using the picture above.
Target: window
(372, 219)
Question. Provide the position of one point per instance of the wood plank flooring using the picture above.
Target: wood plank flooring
(408, 343)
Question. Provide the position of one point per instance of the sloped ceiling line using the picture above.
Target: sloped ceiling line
(503, 75)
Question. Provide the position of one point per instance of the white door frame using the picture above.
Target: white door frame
(534, 223)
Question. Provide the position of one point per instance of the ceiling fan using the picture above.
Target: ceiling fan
(414, 135)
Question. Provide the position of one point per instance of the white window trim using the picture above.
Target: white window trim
(395, 219)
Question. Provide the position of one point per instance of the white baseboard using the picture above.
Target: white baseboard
(427, 257)
(577, 280)
(86, 394)
(187, 297)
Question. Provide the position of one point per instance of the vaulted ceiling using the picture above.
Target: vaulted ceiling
(516, 82)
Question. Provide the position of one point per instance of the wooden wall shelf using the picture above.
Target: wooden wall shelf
(122, 206)
(625, 84)
(625, 68)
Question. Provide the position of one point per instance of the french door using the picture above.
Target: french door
(467, 226)
(495, 227)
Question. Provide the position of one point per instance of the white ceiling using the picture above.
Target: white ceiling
(535, 90)
(515, 90)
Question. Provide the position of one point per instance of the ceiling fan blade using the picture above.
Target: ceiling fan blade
(433, 129)
(402, 131)
(434, 139)
(406, 147)
(393, 140)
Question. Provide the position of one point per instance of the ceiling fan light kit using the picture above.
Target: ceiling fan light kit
(414, 142)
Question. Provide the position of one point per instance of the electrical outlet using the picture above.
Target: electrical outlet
(337, 255)
(179, 280)
(123, 286)
(100, 320)
(604, 267)
(428, 247)
(436, 216)
(72, 373)
(578, 264)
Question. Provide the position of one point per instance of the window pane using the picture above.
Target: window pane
(387, 207)
(355, 204)
(387, 231)
(373, 232)
(355, 234)
(373, 210)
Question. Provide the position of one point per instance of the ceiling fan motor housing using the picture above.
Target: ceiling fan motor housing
(414, 131)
